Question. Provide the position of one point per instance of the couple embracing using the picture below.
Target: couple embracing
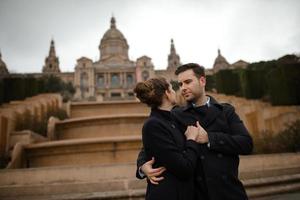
(190, 152)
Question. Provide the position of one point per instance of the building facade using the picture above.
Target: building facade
(114, 75)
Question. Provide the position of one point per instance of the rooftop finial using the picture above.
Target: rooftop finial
(113, 22)
(173, 51)
(219, 51)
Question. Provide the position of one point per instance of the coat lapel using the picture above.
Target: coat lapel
(212, 113)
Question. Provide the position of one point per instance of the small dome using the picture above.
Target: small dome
(220, 62)
(220, 58)
(3, 68)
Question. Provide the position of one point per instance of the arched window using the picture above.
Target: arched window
(83, 80)
(129, 79)
(115, 80)
(145, 75)
(100, 80)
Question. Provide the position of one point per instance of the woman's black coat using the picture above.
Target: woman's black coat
(163, 141)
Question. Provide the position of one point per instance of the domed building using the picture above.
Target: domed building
(220, 62)
(114, 75)
(3, 68)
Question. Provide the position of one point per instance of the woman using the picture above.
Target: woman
(176, 151)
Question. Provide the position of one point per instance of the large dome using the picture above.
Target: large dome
(113, 45)
(112, 34)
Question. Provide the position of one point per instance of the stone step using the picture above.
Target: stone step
(101, 181)
(103, 187)
(100, 126)
(133, 189)
(51, 182)
(266, 186)
(138, 194)
(269, 165)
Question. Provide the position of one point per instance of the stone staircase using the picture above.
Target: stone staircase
(72, 182)
(262, 176)
(117, 181)
(94, 158)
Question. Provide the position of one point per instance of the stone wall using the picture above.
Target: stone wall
(260, 116)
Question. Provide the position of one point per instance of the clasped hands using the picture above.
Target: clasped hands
(196, 133)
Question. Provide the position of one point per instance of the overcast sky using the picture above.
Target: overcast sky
(252, 30)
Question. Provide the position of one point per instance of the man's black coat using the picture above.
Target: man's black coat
(216, 176)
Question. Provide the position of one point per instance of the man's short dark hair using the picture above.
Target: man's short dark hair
(197, 69)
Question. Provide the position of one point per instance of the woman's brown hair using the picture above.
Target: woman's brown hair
(151, 91)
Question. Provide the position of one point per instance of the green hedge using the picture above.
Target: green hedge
(284, 84)
(18, 88)
(253, 83)
(210, 82)
(228, 82)
(276, 81)
(1, 91)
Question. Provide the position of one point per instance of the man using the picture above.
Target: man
(223, 137)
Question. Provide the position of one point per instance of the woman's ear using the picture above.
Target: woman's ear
(168, 93)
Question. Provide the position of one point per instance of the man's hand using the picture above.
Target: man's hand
(202, 138)
(152, 173)
(191, 133)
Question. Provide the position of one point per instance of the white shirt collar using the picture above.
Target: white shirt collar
(206, 103)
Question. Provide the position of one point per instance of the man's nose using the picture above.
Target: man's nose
(183, 88)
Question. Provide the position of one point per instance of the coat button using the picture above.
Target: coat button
(199, 178)
(221, 142)
(173, 126)
(224, 177)
(202, 157)
(219, 155)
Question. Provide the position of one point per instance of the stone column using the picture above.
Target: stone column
(121, 79)
(125, 80)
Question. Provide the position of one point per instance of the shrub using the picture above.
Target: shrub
(285, 141)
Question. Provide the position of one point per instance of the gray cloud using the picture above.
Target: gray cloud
(252, 30)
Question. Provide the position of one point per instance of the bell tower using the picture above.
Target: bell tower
(173, 58)
(51, 62)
